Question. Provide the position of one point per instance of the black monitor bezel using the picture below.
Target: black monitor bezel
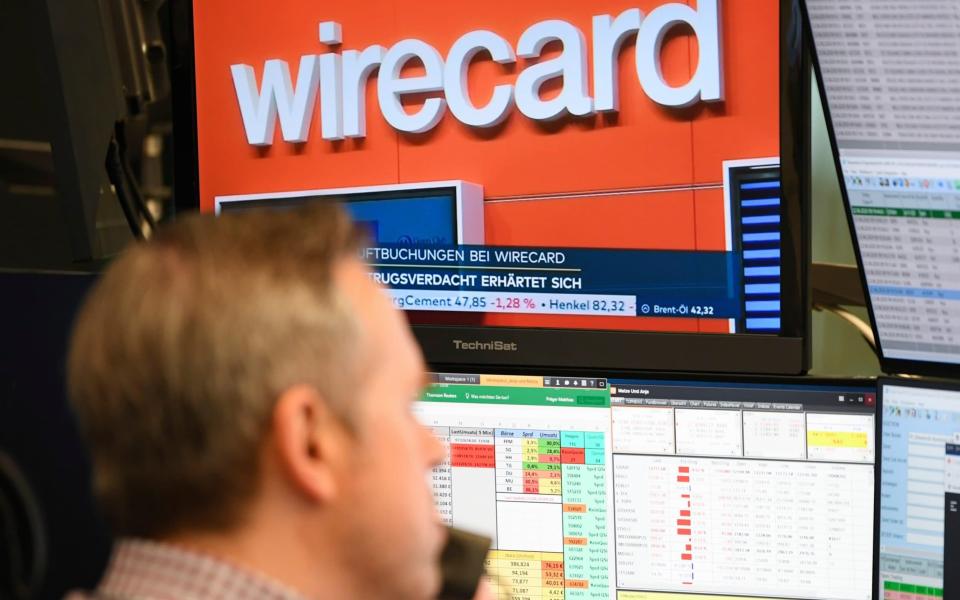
(785, 353)
(882, 382)
(887, 365)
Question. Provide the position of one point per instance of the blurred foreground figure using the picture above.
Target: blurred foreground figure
(246, 393)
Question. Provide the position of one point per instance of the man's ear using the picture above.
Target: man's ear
(309, 442)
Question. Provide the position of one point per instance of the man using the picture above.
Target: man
(246, 393)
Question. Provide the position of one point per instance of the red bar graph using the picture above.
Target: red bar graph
(685, 525)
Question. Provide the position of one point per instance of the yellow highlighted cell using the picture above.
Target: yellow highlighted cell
(514, 555)
(511, 380)
(837, 439)
(549, 486)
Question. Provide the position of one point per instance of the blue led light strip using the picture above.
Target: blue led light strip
(760, 202)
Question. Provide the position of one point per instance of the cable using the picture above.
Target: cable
(11, 581)
(863, 327)
(116, 176)
(23, 533)
(132, 185)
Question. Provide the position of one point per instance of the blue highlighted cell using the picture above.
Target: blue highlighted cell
(763, 220)
(593, 439)
(594, 456)
(753, 289)
(761, 185)
(760, 202)
(772, 236)
(759, 254)
(930, 293)
(762, 271)
(763, 323)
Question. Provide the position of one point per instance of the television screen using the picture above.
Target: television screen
(593, 168)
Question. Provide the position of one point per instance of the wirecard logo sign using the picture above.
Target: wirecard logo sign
(340, 79)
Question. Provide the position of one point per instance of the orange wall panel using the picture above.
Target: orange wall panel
(643, 145)
(620, 222)
(747, 124)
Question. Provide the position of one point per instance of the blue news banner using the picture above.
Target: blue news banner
(630, 283)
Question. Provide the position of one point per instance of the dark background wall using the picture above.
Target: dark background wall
(37, 429)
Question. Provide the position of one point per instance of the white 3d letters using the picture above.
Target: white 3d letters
(390, 86)
(707, 81)
(277, 98)
(571, 66)
(341, 78)
(608, 37)
(455, 79)
(357, 67)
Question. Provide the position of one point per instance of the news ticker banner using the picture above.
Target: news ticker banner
(628, 283)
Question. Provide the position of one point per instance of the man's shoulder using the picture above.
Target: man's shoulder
(151, 569)
(80, 595)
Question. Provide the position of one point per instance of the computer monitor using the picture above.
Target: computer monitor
(636, 199)
(529, 466)
(919, 490)
(889, 78)
(602, 488)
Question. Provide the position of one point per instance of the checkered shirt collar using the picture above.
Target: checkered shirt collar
(146, 570)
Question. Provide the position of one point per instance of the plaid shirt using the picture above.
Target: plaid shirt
(145, 570)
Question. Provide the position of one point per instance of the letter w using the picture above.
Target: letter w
(259, 109)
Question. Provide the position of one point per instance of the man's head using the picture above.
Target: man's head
(245, 372)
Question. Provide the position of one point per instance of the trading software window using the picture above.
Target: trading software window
(634, 490)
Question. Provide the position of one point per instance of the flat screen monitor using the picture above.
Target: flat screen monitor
(603, 488)
(919, 516)
(577, 184)
(889, 77)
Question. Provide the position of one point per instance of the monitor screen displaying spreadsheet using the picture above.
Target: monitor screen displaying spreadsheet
(593, 487)
(890, 77)
(919, 490)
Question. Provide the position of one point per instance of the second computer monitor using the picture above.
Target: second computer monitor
(889, 77)
(919, 518)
